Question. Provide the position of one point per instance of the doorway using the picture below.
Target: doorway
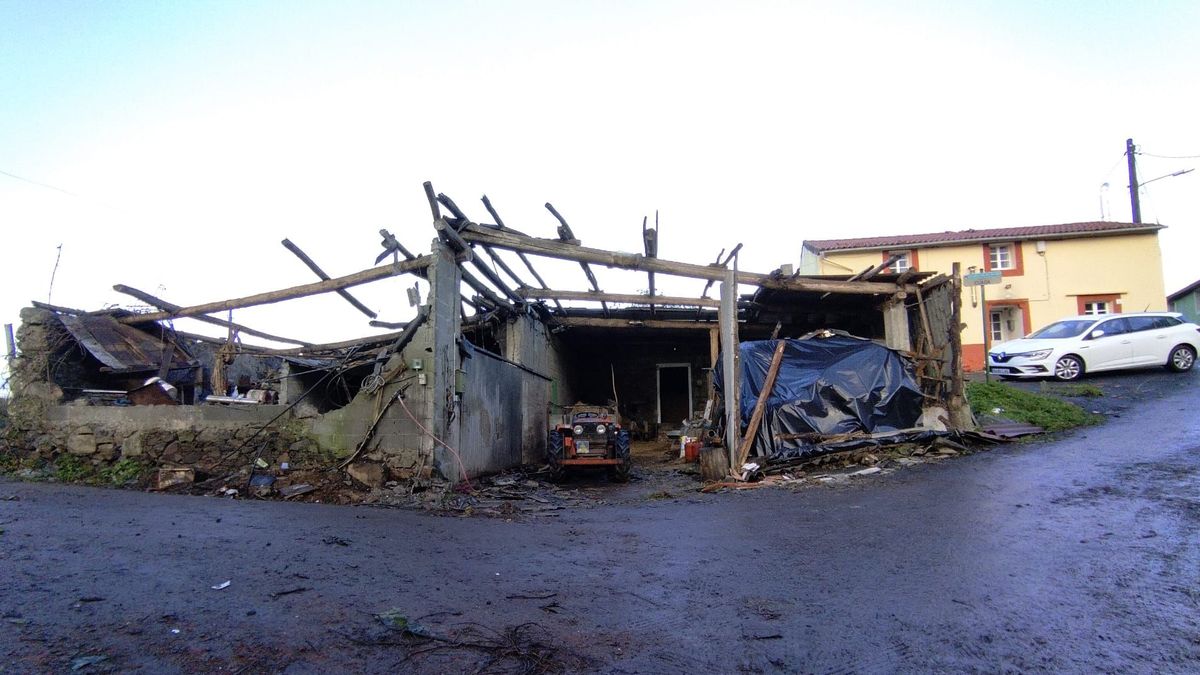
(674, 393)
(1006, 322)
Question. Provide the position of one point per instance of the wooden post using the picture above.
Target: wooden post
(760, 405)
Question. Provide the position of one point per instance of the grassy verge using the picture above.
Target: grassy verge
(1048, 412)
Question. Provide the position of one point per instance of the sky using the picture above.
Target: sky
(171, 146)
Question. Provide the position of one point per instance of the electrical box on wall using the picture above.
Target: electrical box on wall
(417, 364)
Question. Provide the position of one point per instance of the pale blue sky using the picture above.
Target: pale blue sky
(197, 135)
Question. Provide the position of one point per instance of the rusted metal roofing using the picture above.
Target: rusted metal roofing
(124, 348)
(1063, 231)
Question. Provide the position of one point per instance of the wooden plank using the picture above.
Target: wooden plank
(627, 298)
(356, 279)
(588, 322)
(760, 405)
(312, 265)
(170, 307)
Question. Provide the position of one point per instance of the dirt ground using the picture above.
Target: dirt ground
(1076, 553)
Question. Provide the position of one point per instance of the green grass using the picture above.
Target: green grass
(1048, 412)
(1072, 390)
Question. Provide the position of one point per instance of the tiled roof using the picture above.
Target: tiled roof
(1183, 291)
(1064, 231)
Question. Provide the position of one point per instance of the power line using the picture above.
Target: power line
(40, 184)
(1147, 154)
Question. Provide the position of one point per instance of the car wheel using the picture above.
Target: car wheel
(1182, 359)
(1068, 368)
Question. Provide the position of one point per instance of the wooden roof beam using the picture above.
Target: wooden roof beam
(631, 299)
(170, 307)
(487, 204)
(287, 243)
(356, 279)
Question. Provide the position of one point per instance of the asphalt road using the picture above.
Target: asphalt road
(1079, 554)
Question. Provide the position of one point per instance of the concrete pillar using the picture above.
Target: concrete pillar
(442, 407)
(730, 363)
(895, 324)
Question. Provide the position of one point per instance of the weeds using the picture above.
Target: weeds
(1047, 412)
(69, 469)
(124, 472)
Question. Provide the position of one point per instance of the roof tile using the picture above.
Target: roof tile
(1065, 230)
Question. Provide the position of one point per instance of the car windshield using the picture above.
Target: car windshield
(1063, 329)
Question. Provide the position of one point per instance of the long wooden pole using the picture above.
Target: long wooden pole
(170, 307)
(761, 404)
(635, 261)
(627, 298)
(356, 279)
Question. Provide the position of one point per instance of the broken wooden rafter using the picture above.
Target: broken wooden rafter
(487, 204)
(587, 322)
(170, 307)
(566, 236)
(720, 264)
(312, 265)
(630, 299)
(450, 234)
(356, 279)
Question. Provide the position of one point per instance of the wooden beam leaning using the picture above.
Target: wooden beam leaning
(356, 279)
(287, 243)
(588, 322)
(170, 307)
(631, 299)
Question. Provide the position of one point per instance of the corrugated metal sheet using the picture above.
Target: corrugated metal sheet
(121, 347)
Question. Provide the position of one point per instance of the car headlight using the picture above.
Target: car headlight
(578, 429)
(599, 428)
(1036, 356)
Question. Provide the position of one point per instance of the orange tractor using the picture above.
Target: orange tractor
(589, 437)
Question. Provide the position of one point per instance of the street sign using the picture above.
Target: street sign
(982, 278)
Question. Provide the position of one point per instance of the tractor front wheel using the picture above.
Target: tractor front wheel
(555, 450)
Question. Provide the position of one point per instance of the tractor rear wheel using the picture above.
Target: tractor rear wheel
(620, 473)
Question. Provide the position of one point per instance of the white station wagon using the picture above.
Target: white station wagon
(1067, 349)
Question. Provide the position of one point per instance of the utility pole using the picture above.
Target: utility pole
(1134, 200)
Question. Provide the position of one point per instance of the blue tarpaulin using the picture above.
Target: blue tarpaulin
(827, 385)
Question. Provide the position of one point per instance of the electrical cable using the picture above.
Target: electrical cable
(428, 433)
(1147, 154)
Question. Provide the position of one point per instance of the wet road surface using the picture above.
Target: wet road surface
(1076, 555)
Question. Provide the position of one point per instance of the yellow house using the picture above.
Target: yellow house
(1047, 272)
